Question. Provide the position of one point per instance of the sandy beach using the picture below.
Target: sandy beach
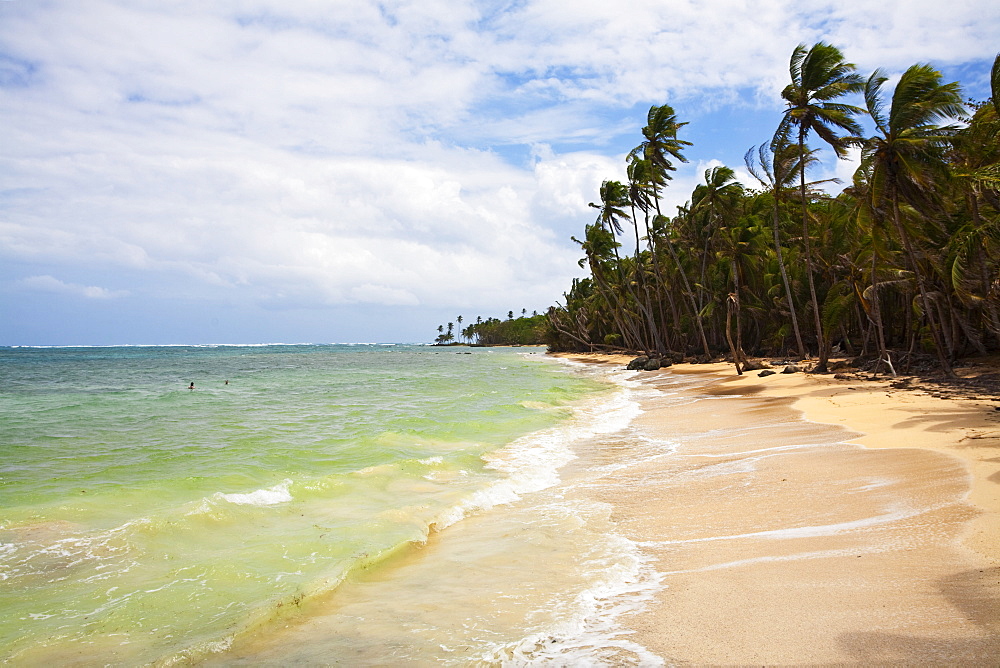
(809, 520)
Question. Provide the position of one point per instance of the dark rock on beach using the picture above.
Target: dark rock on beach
(638, 364)
(766, 372)
(644, 363)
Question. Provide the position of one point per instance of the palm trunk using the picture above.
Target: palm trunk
(739, 325)
(820, 339)
(883, 352)
(924, 299)
(684, 279)
(640, 340)
(647, 308)
(729, 333)
(784, 279)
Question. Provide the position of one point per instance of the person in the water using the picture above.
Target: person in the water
(191, 386)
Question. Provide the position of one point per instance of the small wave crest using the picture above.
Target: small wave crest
(261, 497)
(591, 634)
(531, 463)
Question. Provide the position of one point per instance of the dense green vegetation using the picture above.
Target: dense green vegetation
(903, 262)
(520, 331)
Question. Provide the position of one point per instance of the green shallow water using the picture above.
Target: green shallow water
(142, 521)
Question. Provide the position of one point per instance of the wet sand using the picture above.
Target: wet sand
(808, 520)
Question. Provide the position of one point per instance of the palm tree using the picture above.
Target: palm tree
(641, 176)
(819, 76)
(598, 245)
(659, 145)
(614, 200)
(714, 204)
(907, 162)
(975, 169)
(660, 142)
(778, 164)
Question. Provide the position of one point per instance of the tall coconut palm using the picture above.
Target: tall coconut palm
(975, 169)
(820, 75)
(714, 204)
(600, 248)
(641, 178)
(776, 166)
(611, 213)
(660, 142)
(906, 159)
(659, 146)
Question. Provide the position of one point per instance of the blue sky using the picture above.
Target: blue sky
(334, 171)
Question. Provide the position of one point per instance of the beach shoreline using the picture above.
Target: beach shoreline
(837, 521)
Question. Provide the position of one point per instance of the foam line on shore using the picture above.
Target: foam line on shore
(807, 531)
(843, 469)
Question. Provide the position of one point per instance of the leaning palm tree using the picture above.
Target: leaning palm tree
(820, 75)
(714, 204)
(642, 179)
(775, 167)
(600, 247)
(611, 213)
(906, 159)
(660, 144)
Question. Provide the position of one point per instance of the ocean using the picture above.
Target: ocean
(314, 504)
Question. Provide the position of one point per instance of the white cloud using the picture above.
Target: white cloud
(51, 284)
(360, 152)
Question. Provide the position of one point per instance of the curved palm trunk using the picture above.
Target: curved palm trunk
(807, 245)
(924, 299)
(784, 279)
(684, 279)
(732, 304)
(972, 202)
(690, 294)
(658, 288)
(883, 351)
(639, 340)
(647, 307)
(629, 334)
(739, 324)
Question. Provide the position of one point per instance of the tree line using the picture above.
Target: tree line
(903, 262)
(522, 330)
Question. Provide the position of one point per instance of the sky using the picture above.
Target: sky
(255, 171)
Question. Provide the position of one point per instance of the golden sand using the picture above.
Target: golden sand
(808, 520)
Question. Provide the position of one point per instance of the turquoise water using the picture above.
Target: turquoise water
(142, 521)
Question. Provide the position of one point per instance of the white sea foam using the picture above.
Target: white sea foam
(821, 554)
(591, 634)
(896, 514)
(261, 497)
(531, 463)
